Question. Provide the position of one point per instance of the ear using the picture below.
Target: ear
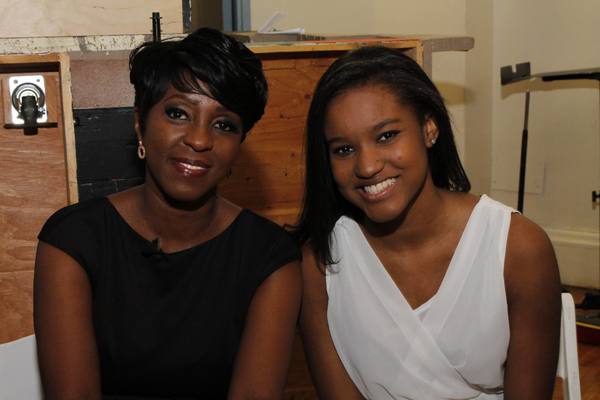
(430, 132)
(137, 126)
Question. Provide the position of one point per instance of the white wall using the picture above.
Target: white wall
(564, 128)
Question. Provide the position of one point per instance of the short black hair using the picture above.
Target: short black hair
(323, 204)
(232, 74)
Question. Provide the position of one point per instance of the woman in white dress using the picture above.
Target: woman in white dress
(413, 288)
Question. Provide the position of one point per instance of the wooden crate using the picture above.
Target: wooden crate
(37, 176)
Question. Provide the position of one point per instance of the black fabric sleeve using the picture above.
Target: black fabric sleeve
(74, 230)
(281, 250)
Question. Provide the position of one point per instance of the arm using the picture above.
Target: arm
(534, 307)
(327, 371)
(66, 343)
(263, 358)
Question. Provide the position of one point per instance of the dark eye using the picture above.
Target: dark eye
(385, 136)
(342, 151)
(226, 126)
(176, 113)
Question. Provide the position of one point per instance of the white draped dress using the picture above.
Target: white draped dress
(452, 347)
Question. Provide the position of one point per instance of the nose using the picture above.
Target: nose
(368, 163)
(198, 137)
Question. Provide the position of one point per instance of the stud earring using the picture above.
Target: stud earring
(141, 150)
(433, 141)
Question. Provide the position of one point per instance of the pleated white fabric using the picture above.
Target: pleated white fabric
(452, 347)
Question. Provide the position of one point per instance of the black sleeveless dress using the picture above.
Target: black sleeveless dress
(167, 325)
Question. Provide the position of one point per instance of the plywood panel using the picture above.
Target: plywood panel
(16, 305)
(33, 184)
(268, 176)
(31, 18)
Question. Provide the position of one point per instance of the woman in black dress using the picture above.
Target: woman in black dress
(168, 290)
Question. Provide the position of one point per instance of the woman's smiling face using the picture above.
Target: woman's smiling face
(378, 150)
(191, 142)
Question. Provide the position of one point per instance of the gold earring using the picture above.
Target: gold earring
(141, 150)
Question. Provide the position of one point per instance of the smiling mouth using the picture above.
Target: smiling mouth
(190, 167)
(379, 187)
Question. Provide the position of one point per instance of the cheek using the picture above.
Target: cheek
(157, 138)
(342, 172)
(229, 150)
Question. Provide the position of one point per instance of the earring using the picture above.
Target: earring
(433, 141)
(141, 150)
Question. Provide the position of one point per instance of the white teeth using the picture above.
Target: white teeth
(380, 187)
(193, 167)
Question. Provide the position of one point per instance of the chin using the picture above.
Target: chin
(382, 216)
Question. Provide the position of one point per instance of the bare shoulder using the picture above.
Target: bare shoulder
(313, 272)
(527, 241)
(530, 259)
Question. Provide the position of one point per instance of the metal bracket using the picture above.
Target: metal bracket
(28, 89)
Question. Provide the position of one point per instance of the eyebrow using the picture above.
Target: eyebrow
(192, 99)
(378, 126)
(383, 123)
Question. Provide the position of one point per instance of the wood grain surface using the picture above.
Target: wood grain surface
(34, 18)
(33, 184)
(268, 176)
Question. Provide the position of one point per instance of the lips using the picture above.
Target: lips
(190, 167)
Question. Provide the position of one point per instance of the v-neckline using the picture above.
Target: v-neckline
(449, 269)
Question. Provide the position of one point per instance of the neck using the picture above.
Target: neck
(176, 224)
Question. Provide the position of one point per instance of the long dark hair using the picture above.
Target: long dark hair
(231, 72)
(323, 203)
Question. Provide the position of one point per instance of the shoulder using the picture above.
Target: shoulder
(78, 231)
(267, 245)
(75, 215)
(263, 230)
(530, 260)
(526, 240)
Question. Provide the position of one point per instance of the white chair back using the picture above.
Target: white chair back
(568, 362)
(19, 374)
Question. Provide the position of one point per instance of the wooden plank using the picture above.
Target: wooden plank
(68, 128)
(34, 18)
(34, 184)
(268, 177)
(16, 305)
(330, 45)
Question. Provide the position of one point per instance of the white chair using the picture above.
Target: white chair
(19, 374)
(568, 363)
